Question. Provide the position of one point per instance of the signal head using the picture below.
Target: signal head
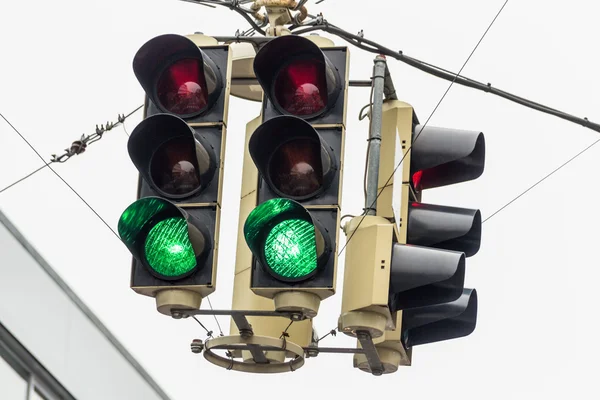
(164, 238)
(292, 158)
(421, 276)
(297, 77)
(439, 322)
(175, 161)
(177, 76)
(443, 227)
(442, 156)
(288, 243)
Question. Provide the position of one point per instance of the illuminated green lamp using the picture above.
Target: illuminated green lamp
(285, 239)
(159, 235)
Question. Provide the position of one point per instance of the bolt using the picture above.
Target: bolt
(296, 317)
(377, 372)
(197, 346)
(176, 315)
(312, 352)
(246, 333)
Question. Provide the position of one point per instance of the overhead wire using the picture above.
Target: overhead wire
(373, 47)
(47, 164)
(216, 320)
(208, 333)
(318, 23)
(541, 180)
(235, 6)
(421, 129)
(82, 143)
(25, 177)
(60, 177)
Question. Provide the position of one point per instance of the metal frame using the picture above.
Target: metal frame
(257, 345)
(30, 369)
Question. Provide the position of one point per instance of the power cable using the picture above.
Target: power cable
(331, 332)
(373, 47)
(235, 6)
(421, 130)
(284, 334)
(25, 177)
(216, 320)
(541, 180)
(208, 333)
(86, 203)
(319, 23)
(60, 177)
(78, 146)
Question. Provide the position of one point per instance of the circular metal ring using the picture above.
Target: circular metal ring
(291, 350)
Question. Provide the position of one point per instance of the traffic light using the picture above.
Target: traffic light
(243, 297)
(297, 153)
(405, 267)
(172, 229)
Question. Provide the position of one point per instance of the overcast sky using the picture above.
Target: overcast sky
(66, 66)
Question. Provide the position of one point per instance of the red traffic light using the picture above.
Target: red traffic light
(300, 88)
(177, 76)
(297, 76)
(181, 88)
(442, 156)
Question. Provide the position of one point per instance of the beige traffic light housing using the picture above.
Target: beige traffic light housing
(369, 250)
(300, 332)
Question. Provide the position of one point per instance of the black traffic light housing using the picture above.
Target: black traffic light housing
(427, 272)
(318, 68)
(298, 152)
(178, 150)
(139, 221)
(282, 146)
(443, 321)
(162, 143)
(178, 61)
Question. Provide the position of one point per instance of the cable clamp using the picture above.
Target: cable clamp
(320, 19)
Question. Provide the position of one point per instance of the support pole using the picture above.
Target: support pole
(375, 135)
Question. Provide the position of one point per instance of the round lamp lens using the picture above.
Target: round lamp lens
(174, 167)
(296, 169)
(291, 250)
(301, 89)
(182, 87)
(168, 249)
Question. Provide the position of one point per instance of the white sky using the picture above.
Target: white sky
(66, 66)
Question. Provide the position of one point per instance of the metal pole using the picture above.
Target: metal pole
(375, 135)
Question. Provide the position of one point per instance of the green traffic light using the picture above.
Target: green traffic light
(281, 232)
(168, 249)
(291, 250)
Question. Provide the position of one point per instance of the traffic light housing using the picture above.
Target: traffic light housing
(172, 229)
(243, 297)
(405, 267)
(297, 153)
